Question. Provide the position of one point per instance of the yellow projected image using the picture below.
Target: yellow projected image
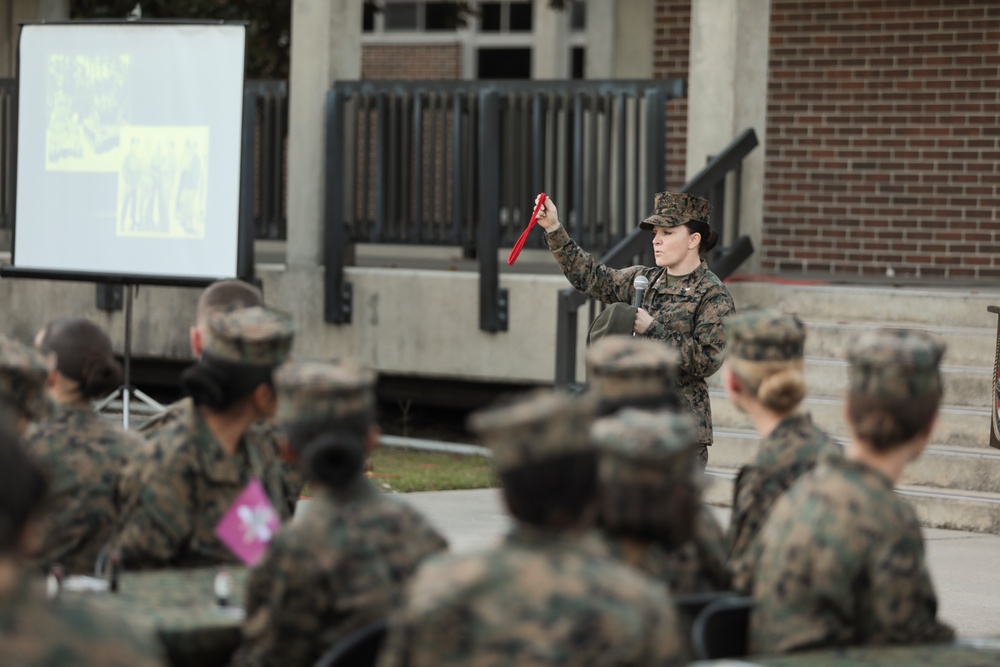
(163, 182)
(87, 107)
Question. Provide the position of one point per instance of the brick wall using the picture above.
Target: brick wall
(671, 42)
(411, 61)
(883, 138)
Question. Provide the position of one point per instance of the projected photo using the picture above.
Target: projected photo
(87, 103)
(163, 182)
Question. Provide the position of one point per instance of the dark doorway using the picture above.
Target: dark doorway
(504, 64)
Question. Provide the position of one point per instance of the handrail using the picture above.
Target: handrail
(705, 182)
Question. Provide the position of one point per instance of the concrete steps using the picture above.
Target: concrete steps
(956, 482)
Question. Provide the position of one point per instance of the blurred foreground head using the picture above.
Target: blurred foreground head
(328, 410)
(80, 352)
(765, 359)
(894, 387)
(23, 488)
(22, 382)
(648, 474)
(625, 371)
(220, 297)
(543, 456)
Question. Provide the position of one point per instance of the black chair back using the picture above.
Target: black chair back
(722, 629)
(359, 650)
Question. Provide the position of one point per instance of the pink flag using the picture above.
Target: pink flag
(249, 524)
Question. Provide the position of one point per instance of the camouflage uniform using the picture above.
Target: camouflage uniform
(343, 564)
(687, 315)
(188, 481)
(35, 633)
(84, 455)
(841, 557)
(622, 371)
(543, 597)
(22, 379)
(263, 434)
(785, 454)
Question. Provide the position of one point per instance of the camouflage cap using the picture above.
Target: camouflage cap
(310, 391)
(22, 377)
(645, 446)
(258, 335)
(672, 209)
(765, 335)
(624, 367)
(535, 427)
(895, 364)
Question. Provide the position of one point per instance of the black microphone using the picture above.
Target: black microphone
(641, 284)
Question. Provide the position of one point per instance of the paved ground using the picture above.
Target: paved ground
(965, 566)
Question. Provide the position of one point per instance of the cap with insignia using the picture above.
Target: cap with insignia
(627, 368)
(895, 364)
(765, 335)
(641, 446)
(258, 336)
(22, 377)
(538, 426)
(313, 391)
(673, 209)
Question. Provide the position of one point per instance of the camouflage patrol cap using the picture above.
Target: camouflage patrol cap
(765, 335)
(259, 336)
(535, 427)
(672, 209)
(642, 446)
(895, 364)
(624, 367)
(312, 391)
(22, 377)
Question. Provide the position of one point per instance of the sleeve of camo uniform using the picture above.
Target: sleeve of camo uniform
(584, 273)
(667, 647)
(162, 518)
(902, 595)
(701, 352)
(284, 611)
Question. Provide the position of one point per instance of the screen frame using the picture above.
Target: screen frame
(245, 223)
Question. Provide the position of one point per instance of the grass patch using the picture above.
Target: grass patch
(407, 470)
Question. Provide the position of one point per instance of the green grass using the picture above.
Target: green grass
(407, 470)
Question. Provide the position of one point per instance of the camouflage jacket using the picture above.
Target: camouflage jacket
(842, 564)
(267, 433)
(331, 572)
(185, 486)
(687, 316)
(698, 566)
(538, 599)
(84, 455)
(789, 451)
(35, 633)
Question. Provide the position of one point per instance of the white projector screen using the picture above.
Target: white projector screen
(129, 150)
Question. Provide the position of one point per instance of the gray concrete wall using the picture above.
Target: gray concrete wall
(405, 321)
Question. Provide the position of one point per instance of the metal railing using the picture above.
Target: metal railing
(270, 163)
(8, 138)
(719, 182)
(459, 163)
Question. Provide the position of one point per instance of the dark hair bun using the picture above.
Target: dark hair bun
(333, 459)
(206, 386)
(708, 241)
(99, 375)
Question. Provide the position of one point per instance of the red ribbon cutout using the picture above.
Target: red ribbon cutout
(516, 250)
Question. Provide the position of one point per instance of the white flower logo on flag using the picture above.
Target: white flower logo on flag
(256, 523)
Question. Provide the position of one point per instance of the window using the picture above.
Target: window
(520, 17)
(490, 16)
(510, 16)
(401, 16)
(368, 20)
(504, 63)
(577, 15)
(578, 63)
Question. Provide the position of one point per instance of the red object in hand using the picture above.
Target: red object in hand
(516, 250)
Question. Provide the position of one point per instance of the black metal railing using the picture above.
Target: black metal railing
(270, 163)
(8, 137)
(459, 163)
(718, 181)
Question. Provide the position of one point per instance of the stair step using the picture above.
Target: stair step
(963, 385)
(957, 307)
(956, 426)
(937, 508)
(966, 346)
(940, 466)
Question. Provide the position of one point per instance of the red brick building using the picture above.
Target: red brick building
(882, 138)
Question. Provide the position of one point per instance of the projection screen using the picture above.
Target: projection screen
(129, 149)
